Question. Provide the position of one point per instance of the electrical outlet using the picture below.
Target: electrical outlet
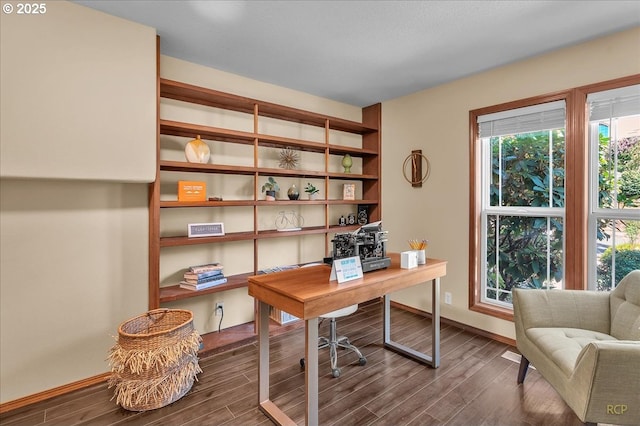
(219, 308)
(447, 297)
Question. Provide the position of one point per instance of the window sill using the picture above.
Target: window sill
(492, 310)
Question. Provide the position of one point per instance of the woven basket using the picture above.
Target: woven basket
(155, 359)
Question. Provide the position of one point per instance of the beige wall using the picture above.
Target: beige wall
(76, 96)
(437, 121)
(78, 120)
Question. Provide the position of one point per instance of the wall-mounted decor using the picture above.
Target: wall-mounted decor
(419, 174)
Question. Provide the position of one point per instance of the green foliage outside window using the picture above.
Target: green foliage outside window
(522, 176)
(619, 160)
(627, 258)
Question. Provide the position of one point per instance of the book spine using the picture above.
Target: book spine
(202, 286)
(203, 280)
(203, 276)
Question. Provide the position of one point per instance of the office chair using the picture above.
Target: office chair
(333, 342)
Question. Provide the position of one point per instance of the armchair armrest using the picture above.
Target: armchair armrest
(589, 310)
(606, 382)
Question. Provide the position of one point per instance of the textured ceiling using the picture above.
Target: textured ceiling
(363, 52)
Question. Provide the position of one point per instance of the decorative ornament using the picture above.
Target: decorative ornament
(288, 159)
(417, 175)
(347, 162)
(293, 193)
(197, 151)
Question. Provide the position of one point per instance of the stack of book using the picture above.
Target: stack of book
(203, 276)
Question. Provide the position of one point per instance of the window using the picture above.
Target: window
(614, 197)
(522, 187)
(554, 199)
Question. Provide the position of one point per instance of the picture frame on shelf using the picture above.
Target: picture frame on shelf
(349, 191)
(214, 229)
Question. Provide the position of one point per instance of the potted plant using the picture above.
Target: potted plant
(270, 188)
(312, 191)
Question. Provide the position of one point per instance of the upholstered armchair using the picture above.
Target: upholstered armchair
(586, 344)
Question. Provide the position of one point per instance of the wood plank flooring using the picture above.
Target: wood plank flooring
(475, 385)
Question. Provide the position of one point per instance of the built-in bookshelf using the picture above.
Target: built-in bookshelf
(255, 141)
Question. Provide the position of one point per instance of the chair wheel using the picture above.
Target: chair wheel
(335, 372)
(302, 363)
(362, 361)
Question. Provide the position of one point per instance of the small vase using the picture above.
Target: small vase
(293, 193)
(270, 195)
(313, 196)
(347, 162)
(197, 151)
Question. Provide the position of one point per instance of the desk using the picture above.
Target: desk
(308, 293)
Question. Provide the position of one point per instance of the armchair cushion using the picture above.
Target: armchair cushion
(563, 345)
(625, 308)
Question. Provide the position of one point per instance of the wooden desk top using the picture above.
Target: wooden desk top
(308, 293)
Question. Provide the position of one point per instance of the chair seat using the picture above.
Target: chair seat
(343, 312)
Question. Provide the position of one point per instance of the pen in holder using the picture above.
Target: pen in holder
(421, 248)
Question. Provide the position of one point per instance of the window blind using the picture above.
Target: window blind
(619, 102)
(533, 118)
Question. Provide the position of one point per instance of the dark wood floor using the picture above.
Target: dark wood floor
(475, 385)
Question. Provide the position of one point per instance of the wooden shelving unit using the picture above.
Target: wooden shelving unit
(369, 152)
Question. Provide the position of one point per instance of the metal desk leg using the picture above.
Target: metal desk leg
(434, 359)
(435, 323)
(268, 407)
(311, 371)
(263, 355)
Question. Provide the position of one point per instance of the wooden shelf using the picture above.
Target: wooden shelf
(187, 130)
(175, 292)
(368, 151)
(199, 95)
(186, 241)
(224, 203)
(183, 166)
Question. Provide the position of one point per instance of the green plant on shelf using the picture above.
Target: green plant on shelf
(270, 185)
(310, 189)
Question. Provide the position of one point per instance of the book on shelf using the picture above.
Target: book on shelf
(205, 268)
(192, 190)
(202, 286)
(202, 276)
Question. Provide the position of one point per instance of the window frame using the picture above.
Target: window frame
(577, 167)
(595, 212)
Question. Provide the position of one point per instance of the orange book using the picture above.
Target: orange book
(192, 190)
